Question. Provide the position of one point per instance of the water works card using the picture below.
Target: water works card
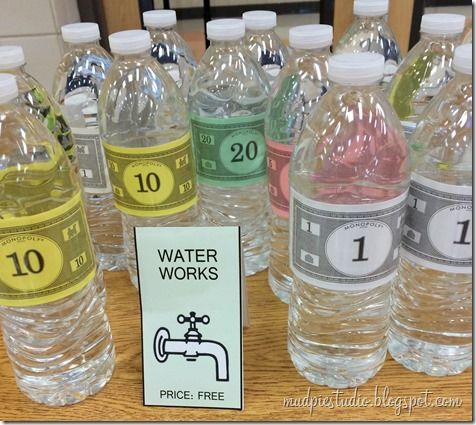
(189, 282)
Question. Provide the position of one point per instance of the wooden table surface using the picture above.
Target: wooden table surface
(270, 378)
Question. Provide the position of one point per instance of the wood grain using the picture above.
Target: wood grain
(121, 15)
(196, 42)
(400, 21)
(269, 376)
(343, 15)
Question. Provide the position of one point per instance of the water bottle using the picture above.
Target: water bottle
(426, 68)
(227, 101)
(370, 32)
(37, 100)
(54, 326)
(431, 324)
(301, 83)
(78, 82)
(169, 48)
(263, 43)
(145, 131)
(349, 179)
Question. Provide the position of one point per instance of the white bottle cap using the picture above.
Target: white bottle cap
(225, 29)
(463, 59)
(370, 7)
(130, 42)
(82, 32)
(310, 36)
(259, 20)
(11, 57)
(160, 18)
(358, 69)
(8, 88)
(442, 23)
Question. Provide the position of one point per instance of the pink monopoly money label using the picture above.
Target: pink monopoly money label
(279, 155)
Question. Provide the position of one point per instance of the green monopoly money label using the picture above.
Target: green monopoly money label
(191, 305)
(230, 152)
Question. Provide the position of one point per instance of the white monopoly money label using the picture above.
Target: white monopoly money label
(92, 161)
(439, 226)
(345, 247)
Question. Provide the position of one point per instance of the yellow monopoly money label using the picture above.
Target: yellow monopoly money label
(45, 257)
(153, 181)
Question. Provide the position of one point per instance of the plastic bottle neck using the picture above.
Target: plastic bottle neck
(221, 44)
(132, 56)
(169, 29)
(357, 87)
(367, 19)
(319, 51)
(260, 32)
(82, 46)
(425, 36)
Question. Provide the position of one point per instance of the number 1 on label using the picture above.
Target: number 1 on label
(360, 256)
(464, 232)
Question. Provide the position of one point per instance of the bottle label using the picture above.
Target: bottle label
(438, 228)
(345, 247)
(153, 181)
(279, 155)
(92, 161)
(45, 257)
(230, 152)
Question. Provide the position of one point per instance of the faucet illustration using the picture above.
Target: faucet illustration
(192, 346)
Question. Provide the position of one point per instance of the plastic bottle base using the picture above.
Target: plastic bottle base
(432, 359)
(336, 372)
(281, 288)
(112, 262)
(134, 279)
(256, 262)
(72, 387)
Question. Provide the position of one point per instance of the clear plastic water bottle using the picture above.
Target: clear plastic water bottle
(169, 48)
(227, 100)
(431, 325)
(54, 326)
(370, 32)
(301, 83)
(78, 82)
(349, 181)
(426, 68)
(37, 100)
(263, 42)
(145, 130)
